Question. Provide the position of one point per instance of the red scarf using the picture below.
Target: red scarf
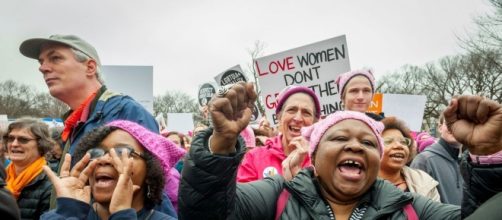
(75, 116)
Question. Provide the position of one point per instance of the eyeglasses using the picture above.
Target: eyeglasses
(20, 139)
(99, 152)
(403, 141)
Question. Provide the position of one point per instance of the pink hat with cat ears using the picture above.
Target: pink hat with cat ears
(315, 132)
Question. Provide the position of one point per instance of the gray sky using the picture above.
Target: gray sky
(189, 42)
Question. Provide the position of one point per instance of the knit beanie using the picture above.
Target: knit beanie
(293, 89)
(315, 132)
(344, 78)
(163, 149)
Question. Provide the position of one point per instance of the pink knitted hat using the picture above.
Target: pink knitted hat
(314, 132)
(248, 135)
(344, 78)
(293, 89)
(424, 143)
(166, 151)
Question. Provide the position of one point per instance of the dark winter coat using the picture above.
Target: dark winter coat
(35, 197)
(209, 190)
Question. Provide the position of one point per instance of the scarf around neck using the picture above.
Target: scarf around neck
(16, 183)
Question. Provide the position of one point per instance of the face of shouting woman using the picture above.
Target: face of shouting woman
(347, 161)
(105, 176)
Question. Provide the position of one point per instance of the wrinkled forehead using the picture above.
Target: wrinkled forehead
(49, 47)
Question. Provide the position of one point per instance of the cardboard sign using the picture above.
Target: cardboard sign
(409, 108)
(231, 76)
(206, 92)
(315, 66)
(134, 81)
(180, 122)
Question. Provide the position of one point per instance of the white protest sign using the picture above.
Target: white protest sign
(134, 81)
(180, 122)
(231, 76)
(409, 108)
(315, 66)
(4, 122)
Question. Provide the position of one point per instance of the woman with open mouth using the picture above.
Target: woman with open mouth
(398, 141)
(27, 141)
(121, 174)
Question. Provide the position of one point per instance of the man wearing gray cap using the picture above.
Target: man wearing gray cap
(71, 69)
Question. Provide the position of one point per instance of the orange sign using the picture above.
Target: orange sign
(376, 104)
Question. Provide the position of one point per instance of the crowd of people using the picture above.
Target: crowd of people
(111, 160)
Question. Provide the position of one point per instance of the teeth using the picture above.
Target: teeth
(351, 162)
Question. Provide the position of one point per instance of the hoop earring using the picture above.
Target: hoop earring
(148, 192)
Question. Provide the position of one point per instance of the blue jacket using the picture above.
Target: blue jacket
(109, 106)
(73, 209)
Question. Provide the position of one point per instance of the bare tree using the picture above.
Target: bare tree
(16, 99)
(255, 52)
(176, 102)
(49, 106)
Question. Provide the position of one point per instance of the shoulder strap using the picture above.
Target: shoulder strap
(410, 212)
(281, 203)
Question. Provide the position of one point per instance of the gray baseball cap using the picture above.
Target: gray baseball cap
(31, 47)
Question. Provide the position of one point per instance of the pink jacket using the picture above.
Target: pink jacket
(261, 162)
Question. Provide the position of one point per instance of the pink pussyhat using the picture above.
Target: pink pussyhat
(314, 132)
(163, 149)
(344, 78)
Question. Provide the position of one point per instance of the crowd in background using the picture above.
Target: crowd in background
(112, 160)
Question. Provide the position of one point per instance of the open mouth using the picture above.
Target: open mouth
(16, 151)
(351, 169)
(397, 156)
(295, 130)
(104, 180)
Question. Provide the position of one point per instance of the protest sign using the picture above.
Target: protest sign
(134, 81)
(231, 76)
(315, 66)
(206, 92)
(180, 122)
(409, 108)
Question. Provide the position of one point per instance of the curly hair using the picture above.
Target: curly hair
(154, 178)
(39, 129)
(395, 123)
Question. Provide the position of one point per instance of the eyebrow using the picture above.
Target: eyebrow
(48, 54)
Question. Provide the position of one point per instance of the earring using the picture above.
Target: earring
(148, 192)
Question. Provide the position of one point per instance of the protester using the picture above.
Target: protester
(398, 142)
(125, 165)
(175, 137)
(72, 71)
(297, 107)
(27, 141)
(54, 155)
(356, 91)
(424, 140)
(441, 162)
(8, 205)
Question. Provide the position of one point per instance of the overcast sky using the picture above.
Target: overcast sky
(189, 42)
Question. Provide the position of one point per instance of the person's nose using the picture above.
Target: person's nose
(106, 159)
(353, 146)
(44, 67)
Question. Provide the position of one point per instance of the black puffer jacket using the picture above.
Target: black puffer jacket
(209, 190)
(481, 182)
(34, 198)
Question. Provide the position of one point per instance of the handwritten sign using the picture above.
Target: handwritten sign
(315, 66)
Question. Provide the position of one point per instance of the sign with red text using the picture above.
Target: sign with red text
(231, 76)
(315, 66)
